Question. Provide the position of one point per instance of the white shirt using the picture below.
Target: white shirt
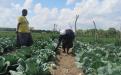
(63, 32)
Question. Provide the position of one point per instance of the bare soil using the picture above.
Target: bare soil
(66, 65)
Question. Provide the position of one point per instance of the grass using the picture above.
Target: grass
(45, 35)
(35, 35)
(99, 40)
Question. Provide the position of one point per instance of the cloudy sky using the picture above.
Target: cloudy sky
(43, 14)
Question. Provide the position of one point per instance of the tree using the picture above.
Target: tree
(112, 32)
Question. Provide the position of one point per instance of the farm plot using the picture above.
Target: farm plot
(40, 57)
(34, 60)
(96, 60)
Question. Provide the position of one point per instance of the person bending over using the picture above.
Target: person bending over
(66, 38)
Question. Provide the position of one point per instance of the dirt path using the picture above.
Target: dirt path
(66, 65)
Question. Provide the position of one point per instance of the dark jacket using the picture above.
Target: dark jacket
(67, 39)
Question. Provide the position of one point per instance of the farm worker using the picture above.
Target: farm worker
(24, 37)
(66, 37)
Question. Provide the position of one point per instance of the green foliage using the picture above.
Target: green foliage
(12, 58)
(3, 65)
(96, 60)
(37, 64)
(118, 42)
(7, 44)
(32, 60)
(110, 36)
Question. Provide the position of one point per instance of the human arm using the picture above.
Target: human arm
(59, 42)
(17, 27)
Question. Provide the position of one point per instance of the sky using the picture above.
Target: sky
(43, 14)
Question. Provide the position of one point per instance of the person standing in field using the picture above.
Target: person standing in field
(66, 38)
(24, 37)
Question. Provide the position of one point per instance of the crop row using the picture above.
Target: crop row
(98, 60)
(34, 60)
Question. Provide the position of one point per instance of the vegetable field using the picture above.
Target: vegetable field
(98, 60)
(34, 60)
(39, 59)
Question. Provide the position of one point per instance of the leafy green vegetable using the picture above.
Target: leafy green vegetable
(96, 60)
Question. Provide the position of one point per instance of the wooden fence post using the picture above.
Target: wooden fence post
(77, 16)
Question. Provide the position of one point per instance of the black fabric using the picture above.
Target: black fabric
(24, 39)
(67, 39)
